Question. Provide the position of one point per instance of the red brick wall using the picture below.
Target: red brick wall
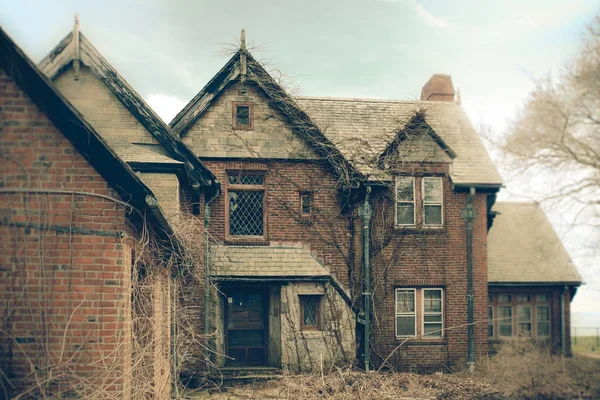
(417, 258)
(431, 258)
(326, 234)
(65, 295)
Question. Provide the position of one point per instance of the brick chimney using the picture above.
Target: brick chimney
(438, 88)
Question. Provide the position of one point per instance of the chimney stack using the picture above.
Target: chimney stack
(438, 88)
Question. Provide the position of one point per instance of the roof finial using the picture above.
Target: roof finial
(76, 55)
(243, 39)
(458, 99)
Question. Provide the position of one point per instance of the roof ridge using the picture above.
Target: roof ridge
(373, 100)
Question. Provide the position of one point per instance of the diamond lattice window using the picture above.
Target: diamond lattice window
(310, 311)
(246, 205)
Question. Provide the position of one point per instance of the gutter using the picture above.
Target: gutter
(468, 215)
(365, 212)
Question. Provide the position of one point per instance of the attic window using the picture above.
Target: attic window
(243, 116)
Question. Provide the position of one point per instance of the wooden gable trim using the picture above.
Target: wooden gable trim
(280, 100)
(61, 57)
(79, 132)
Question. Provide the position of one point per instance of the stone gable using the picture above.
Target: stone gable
(213, 136)
(101, 108)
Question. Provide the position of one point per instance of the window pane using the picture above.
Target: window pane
(433, 318)
(405, 301)
(505, 330)
(405, 325)
(242, 115)
(246, 213)
(432, 300)
(524, 314)
(504, 298)
(524, 329)
(432, 330)
(504, 313)
(433, 190)
(246, 179)
(543, 314)
(543, 329)
(489, 298)
(523, 298)
(542, 298)
(405, 189)
(406, 214)
(305, 203)
(433, 215)
(309, 306)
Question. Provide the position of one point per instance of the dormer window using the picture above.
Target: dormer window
(243, 116)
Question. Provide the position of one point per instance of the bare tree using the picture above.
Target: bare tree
(557, 134)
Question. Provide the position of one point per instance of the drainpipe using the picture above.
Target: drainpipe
(207, 260)
(468, 215)
(562, 321)
(365, 213)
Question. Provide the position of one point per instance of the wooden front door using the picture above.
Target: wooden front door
(246, 325)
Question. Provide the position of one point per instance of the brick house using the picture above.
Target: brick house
(75, 220)
(326, 221)
(531, 278)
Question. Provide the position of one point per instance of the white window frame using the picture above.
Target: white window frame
(491, 322)
(549, 322)
(440, 203)
(502, 322)
(530, 321)
(398, 314)
(419, 313)
(441, 313)
(414, 201)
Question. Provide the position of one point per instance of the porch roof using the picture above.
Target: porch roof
(264, 262)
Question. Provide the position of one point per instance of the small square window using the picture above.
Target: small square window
(243, 116)
(310, 312)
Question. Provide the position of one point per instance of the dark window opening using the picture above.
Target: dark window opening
(305, 204)
(243, 116)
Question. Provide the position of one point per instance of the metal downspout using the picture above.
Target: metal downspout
(207, 261)
(365, 213)
(468, 215)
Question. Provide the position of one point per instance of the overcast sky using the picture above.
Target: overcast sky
(168, 50)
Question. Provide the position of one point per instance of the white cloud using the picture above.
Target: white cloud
(165, 106)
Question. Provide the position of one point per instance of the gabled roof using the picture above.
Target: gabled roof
(417, 142)
(78, 131)
(67, 52)
(278, 98)
(363, 128)
(523, 248)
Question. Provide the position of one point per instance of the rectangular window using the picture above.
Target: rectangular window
(310, 311)
(504, 298)
(432, 313)
(246, 200)
(523, 298)
(419, 312)
(243, 116)
(490, 321)
(406, 317)
(524, 320)
(305, 204)
(505, 322)
(542, 298)
(405, 200)
(542, 318)
(432, 201)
